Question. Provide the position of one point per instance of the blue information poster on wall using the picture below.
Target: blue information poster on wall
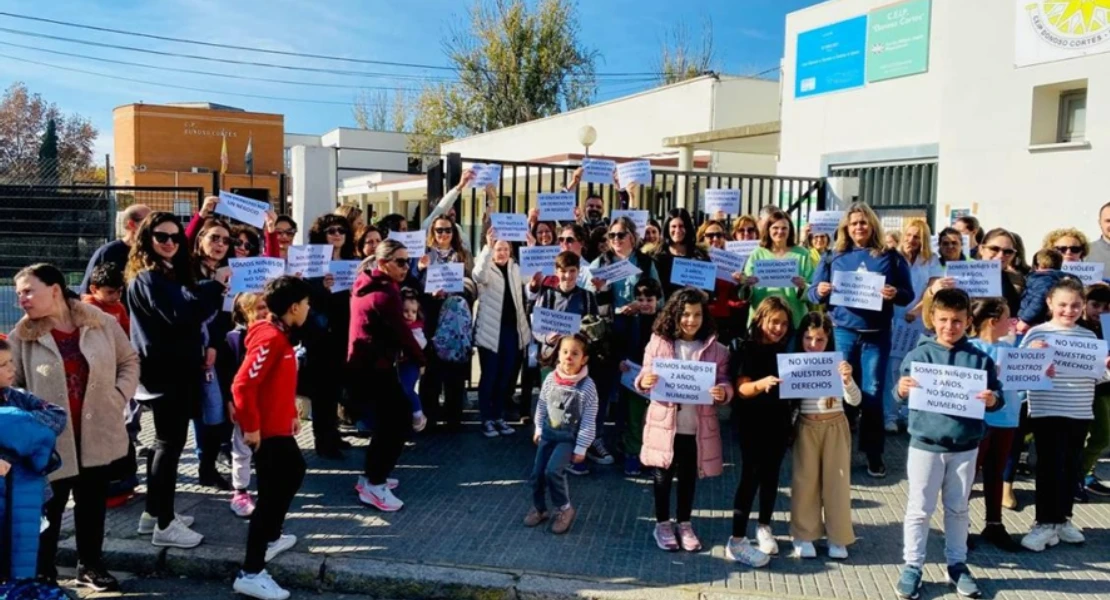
(831, 58)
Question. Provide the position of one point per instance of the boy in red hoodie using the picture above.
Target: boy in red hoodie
(106, 290)
(264, 393)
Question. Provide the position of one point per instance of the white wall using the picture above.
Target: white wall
(987, 113)
(887, 114)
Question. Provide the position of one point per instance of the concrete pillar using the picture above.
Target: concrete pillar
(685, 163)
(314, 188)
(394, 202)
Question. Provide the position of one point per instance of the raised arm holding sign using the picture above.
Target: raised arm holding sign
(637, 171)
(248, 210)
(557, 206)
(722, 200)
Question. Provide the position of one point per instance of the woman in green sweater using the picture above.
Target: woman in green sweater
(777, 241)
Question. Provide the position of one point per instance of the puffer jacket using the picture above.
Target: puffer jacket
(661, 423)
(491, 297)
(32, 441)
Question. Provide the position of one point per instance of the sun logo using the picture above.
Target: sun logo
(1071, 23)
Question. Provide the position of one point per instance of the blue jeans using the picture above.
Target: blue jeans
(867, 352)
(499, 371)
(550, 469)
(409, 374)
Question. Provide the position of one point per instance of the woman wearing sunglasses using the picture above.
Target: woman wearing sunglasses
(168, 309)
(245, 241)
(777, 242)
(208, 210)
(679, 241)
(745, 229)
(1069, 242)
(729, 302)
(210, 254)
(1001, 245)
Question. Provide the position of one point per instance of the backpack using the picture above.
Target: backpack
(454, 337)
(597, 331)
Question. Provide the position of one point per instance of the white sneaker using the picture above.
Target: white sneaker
(766, 539)
(804, 550)
(283, 543)
(260, 586)
(390, 483)
(739, 550)
(177, 535)
(1041, 537)
(381, 498)
(147, 523)
(891, 427)
(1069, 533)
(837, 552)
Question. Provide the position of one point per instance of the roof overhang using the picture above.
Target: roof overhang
(757, 138)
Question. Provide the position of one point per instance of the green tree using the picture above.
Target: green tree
(48, 154)
(24, 119)
(679, 59)
(517, 61)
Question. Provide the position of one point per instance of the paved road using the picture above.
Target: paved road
(465, 496)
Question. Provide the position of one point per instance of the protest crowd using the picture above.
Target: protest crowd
(634, 330)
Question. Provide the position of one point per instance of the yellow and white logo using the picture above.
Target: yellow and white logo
(1051, 30)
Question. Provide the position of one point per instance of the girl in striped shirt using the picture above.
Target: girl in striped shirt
(1059, 419)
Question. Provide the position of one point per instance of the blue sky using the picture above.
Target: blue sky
(626, 33)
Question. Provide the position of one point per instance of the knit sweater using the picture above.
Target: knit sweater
(832, 404)
(1071, 397)
(555, 389)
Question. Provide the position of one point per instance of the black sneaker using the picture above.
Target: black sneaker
(212, 478)
(876, 468)
(99, 580)
(1095, 486)
(1081, 496)
(996, 534)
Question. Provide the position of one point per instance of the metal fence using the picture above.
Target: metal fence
(521, 182)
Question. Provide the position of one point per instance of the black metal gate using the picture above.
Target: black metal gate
(522, 181)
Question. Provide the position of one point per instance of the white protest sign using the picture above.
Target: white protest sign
(309, 261)
(414, 241)
(597, 170)
(722, 200)
(485, 174)
(904, 336)
(727, 263)
(248, 210)
(1088, 272)
(825, 222)
(810, 375)
(444, 276)
(948, 390)
(683, 381)
(538, 259)
(1104, 320)
(775, 272)
(638, 217)
(557, 206)
(249, 275)
(344, 272)
(545, 321)
(1078, 357)
(628, 378)
(1024, 369)
(510, 227)
(858, 289)
(743, 248)
(934, 243)
(979, 278)
(616, 271)
(695, 273)
(637, 171)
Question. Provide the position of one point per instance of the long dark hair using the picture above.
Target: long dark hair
(198, 255)
(318, 234)
(983, 309)
(667, 323)
(689, 243)
(144, 258)
(252, 238)
(49, 275)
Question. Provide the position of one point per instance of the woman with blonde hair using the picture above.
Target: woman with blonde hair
(744, 229)
(1068, 241)
(864, 335)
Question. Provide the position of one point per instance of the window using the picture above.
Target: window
(1072, 125)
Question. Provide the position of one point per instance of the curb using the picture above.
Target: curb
(382, 579)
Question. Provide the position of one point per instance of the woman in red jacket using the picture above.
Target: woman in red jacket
(378, 337)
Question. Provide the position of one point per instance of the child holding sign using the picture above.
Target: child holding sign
(682, 439)
(1061, 417)
(823, 458)
(943, 447)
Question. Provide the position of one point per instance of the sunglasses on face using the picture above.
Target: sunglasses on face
(748, 230)
(712, 235)
(336, 231)
(1072, 249)
(246, 246)
(286, 232)
(216, 238)
(1004, 251)
(162, 237)
(400, 262)
(618, 235)
(568, 240)
(442, 230)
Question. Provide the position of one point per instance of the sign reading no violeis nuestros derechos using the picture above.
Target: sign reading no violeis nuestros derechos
(948, 390)
(1025, 369)
(979, 278)
(1078, 357)
(683, 381)
(248, 210)
(1089, 273)
(545, 321)
(810, 375)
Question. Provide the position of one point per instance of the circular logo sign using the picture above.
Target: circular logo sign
(1071, 24)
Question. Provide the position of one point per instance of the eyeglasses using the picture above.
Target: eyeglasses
(216, 238)
(286, 232)
(246, 246)
(400, 262)
(618, 235)
(1003, 251)
(568, 240)
(336, 231)
(748, 230)
(712, 235)
(162, 237)
(442, 230)
(1072, 249)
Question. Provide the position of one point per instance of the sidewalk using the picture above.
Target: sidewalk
(460, 536)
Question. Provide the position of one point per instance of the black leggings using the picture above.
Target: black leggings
(1059, 443)
(685, 466)
(90, 492)
(392, 424)
(763, 442)
(172, 413)
(280, 468)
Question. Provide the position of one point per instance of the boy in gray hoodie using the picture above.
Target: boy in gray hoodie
(943, 447)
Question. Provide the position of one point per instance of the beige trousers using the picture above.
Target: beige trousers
(822, 469)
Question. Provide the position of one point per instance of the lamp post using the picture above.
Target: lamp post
(587, 135)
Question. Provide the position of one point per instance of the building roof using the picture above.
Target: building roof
(205, 105)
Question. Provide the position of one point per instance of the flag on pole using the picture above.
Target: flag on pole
(248, 159)
(223, 157)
